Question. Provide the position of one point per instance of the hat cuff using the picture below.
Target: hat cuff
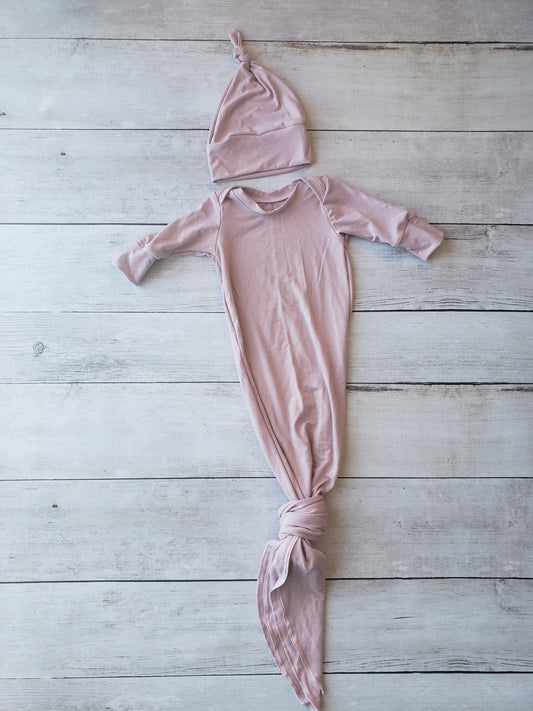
(252, 155)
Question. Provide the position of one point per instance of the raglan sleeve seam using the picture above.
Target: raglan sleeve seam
(326, 211)
(219, 228)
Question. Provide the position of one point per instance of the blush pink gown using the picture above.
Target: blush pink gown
(284, 272)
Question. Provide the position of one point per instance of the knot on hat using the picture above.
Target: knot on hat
(304, 518)
(239, 53)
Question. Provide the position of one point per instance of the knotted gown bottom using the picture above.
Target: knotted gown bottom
(291, 594)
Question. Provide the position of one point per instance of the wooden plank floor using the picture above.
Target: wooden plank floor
(129, 470)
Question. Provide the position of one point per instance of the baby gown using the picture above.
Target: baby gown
(285, 276)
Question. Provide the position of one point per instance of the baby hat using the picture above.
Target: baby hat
(259, 127)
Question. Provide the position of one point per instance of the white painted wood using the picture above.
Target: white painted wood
(216, 529)
(439, 431)
(371, 692)
(447, 619)
(419, 692)
(429, 528)
(139, 84)
(441, 347)
(344, 21)
(477, 267)
(470, 347)
(135, 430)
(202, 429)
(153, 176)
(198, 628)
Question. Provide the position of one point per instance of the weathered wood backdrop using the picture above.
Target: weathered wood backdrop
(135, 499)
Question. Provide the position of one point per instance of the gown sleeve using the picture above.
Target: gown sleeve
(193, 233)
(353, 212)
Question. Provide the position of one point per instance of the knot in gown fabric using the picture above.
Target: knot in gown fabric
(304, 518)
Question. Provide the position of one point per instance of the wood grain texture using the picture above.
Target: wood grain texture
(192, 530)
(114, 476)
(201, 429)
(481, 267)
(402, 347)
(365, 21)
(117, 84)
(151, 177)
(371, 692)
(198, 628)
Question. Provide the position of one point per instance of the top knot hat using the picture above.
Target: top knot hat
(259, 127)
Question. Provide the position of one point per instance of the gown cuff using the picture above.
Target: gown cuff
(135, 262)
(420, 238)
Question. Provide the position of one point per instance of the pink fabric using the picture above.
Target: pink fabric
(259, 126)
(284, 271)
